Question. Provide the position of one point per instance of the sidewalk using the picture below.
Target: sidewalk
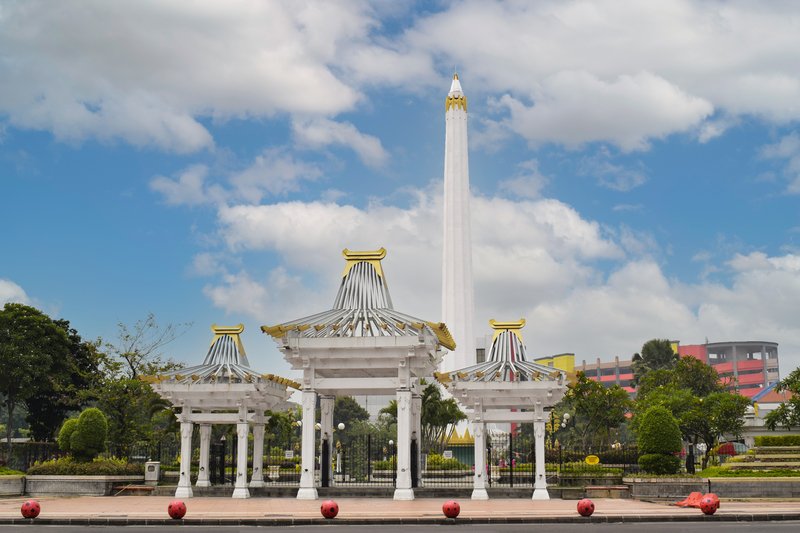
(152, 510)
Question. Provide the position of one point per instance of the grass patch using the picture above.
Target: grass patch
(721, 471)
(4, 471)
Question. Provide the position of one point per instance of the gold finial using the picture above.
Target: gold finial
(233, 331)
(455, 75)
(373, 257)
(513, 327)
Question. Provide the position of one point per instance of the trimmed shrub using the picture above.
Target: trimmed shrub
(67, 466)
(438, 462)
(778, 440)
(659, 463)
(659, 432)
(65, 435)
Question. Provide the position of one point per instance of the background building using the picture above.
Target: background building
(746, 366)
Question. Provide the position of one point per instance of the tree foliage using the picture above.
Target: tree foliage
(598, 411)
(787, 414)
(84, 437)
(31, 344)
(694, 395)
(659, 438)
(656, 354)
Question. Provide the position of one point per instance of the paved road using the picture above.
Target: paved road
(694, 527)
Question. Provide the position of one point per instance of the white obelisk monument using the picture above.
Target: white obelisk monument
(458, 307)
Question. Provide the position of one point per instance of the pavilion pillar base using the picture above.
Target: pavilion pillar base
(404, 494)
(203, 483)
(540, 494)
(307, 493)
(241, 493)
(184, 492)
(480, 494)
(256, 484)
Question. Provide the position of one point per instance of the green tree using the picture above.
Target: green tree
(659, 439)
(130, 404)
(598, 411)
(694, 395)
(656, 354)
(787, 414)
(64, 389)
(30, 342)
(347, 410)
(84, 437)
(438, 418)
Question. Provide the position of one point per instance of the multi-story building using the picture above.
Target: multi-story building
(746, 366)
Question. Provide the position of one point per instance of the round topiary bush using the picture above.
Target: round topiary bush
(88, 438)
(659, 463)
(65, 435)
(659, 437)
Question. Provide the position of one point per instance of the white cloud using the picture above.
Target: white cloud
(11, 292)
(537, 259)
(187, 189)
(611, 175)
(319, 133)
(576, 107)
(274, 172)
(786, 150)
(528, 184)
(626, 72)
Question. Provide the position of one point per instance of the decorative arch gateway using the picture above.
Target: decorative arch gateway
(507, 388)
(361, 346)
(223, 390)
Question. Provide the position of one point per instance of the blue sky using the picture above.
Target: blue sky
(635, 166)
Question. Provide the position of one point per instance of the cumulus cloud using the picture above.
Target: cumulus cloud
(534, 258)
(274, 172)
(319, 133)
(576, 107)
(625, 72)
(528, 184)
(787, 151)
(611, 175)
(11, 292)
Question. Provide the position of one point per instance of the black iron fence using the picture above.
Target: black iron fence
(371, 461)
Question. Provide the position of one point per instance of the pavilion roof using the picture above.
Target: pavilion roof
(507, 361)
(362, 308)
(225, 362)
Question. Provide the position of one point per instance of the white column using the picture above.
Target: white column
(240, 487)
(403, 490)
(458, 306)
(258, 456)
(479, 477)
(184, 489)
(416, 431)
(308, 491)
(205, 443)
(326, 404)
(540, 483)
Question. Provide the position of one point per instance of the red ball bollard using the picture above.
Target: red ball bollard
(585, 507)
(451, 509)
(30, 509)
(709, 505)
(329, 509)
(176, 509)
(713, 497)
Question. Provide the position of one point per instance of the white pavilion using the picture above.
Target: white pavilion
(223, 390)
(361, 346)
(507, 388)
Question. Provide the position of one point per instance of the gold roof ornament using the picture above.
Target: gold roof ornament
(373, 257)
(232, 331)
(513, 327)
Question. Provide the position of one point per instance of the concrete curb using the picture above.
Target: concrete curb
(601, 519)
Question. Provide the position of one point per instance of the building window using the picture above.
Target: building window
(480, 355)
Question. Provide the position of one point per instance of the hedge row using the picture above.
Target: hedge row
(67, 466)
(778, 440)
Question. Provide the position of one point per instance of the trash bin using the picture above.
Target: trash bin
(152, 471)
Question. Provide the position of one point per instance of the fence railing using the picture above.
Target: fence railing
(367, 461)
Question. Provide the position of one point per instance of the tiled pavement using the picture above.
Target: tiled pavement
(142, 510)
